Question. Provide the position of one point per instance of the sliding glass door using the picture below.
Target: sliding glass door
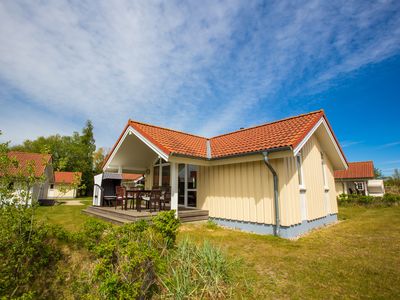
(187, 185)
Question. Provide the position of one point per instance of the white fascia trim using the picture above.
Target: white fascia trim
(130, 130)
(149, 144)
(311, 132)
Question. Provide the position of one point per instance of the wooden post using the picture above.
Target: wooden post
(174, 187)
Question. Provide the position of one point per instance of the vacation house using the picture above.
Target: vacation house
(65, 185)
(33, 174)
(359, 179)
(276, 178)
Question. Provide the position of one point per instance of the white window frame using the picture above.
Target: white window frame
(362, 186)
(158, 162)
(299, 165)
(325, 179)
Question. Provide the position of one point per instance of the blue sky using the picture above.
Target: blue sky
(206, 67)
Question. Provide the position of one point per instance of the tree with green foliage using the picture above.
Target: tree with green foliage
(98, 159)
(87, 147)
(378, 173)
(396, 174)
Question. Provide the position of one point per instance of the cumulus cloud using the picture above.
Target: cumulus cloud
(201, 66)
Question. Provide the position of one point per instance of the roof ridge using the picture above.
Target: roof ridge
(25, 152)
(165, 128)
(361, 162)
(269, 123)
(43, 155)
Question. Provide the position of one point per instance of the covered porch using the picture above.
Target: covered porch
(135, 154)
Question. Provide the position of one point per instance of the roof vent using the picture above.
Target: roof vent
(241, 128)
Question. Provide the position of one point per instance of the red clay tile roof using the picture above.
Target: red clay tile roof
(283, 133)
(288, 132)
(172, 141)
(39, 161)
(362, 169)
(66, 177)
(127, 176)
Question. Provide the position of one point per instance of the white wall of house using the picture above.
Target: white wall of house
(55, 191)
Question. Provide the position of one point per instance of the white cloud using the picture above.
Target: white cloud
(388, 145)
(202, 66)
(346, 144)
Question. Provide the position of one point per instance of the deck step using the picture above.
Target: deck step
(106, 217)
(122, 217)
(188, 213)
(118, 214)
(194, 219)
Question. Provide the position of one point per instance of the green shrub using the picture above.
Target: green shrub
(355, 199)
(391, 199)
(197, 272)
(166, 224)
(91, 233)
(129, 258)
(26, 251)
(128, 261)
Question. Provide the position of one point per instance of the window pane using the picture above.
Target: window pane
(192, 198)
(181, 184)
(192, 177)
(165, 175)
(299, 170)
(156, 176)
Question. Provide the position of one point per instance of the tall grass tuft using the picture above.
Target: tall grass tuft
(197, 271)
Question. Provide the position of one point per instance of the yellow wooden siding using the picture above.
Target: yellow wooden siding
(314, 182)
(244, 191)
(332, 187)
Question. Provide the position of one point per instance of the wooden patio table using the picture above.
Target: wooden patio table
(139, 197)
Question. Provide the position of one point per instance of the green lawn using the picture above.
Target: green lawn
(70, 217)
(357, 258)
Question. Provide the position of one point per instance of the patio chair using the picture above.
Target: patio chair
(131, 197)
(120, 192)
(136, 198)
(155, 198)
(166, 198)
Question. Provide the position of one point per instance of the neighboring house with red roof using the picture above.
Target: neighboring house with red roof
(275, 178)
(132, 180)
(359, 179)
(65, 185)
(36, 164)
